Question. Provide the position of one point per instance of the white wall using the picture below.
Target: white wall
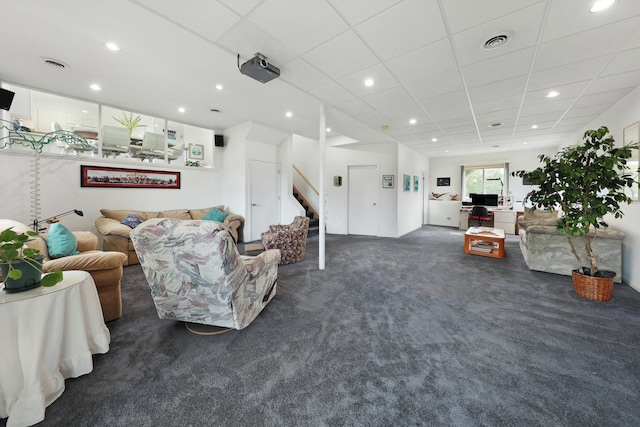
(60, 190)
(410, 205)
(622, 114)
(289, 206)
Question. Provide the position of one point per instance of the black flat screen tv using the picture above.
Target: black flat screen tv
(484, 199)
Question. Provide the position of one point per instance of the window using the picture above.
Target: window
(487, 179)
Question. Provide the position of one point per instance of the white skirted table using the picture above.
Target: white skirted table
(47, 335)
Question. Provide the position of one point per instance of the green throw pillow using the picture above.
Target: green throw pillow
(216, 215)
(61, 242)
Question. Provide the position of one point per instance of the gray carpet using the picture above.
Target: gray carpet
(400, 332)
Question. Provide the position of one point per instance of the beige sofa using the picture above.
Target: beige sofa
(116, 235)
(104, 267)
(545, 249)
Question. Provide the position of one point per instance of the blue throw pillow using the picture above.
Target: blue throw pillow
(61, 242)
(132, 221)
(216, 215)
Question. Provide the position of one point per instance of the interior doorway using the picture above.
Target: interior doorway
(264, 197)
(363, 200)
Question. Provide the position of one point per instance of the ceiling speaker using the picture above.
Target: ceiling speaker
(219, 140)
(6, 98)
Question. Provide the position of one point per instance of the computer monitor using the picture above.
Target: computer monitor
(484, 199)
(6, 97)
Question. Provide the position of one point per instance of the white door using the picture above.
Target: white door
(264, 196)
(363, 200)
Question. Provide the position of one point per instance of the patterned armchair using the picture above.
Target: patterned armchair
(291, 239)
(197, 275)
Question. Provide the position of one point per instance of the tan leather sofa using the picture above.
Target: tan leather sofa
(105, 267)
(116, 235)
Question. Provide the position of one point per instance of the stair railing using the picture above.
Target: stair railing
(306, 190)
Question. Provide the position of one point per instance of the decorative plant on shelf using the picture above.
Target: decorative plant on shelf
(129, 121)
(587, 182)
(17, 260)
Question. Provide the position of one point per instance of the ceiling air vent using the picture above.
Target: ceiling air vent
(496, 41)
(54, 63)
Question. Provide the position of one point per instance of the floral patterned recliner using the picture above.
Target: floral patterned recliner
(197, 275)
(291, 239)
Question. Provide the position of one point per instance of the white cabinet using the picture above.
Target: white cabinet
(505, 220)
(444, 212)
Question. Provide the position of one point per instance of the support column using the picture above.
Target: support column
(321, 148)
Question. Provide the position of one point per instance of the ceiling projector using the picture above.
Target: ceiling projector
(259, 68)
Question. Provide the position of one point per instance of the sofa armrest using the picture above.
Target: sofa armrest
(233, 217)
(112, 227)
(264, 260)
(87, 261)
(87, 241)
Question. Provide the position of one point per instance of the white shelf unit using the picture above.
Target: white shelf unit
(444, 212)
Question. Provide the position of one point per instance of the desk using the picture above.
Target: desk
(502, 218)
(47, 335)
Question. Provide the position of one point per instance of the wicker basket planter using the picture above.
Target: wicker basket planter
(597, 288)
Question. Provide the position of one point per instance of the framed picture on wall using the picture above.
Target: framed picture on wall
(416, 184)
(196, 152)
(406, 182)
(387, 181)
(443, 182)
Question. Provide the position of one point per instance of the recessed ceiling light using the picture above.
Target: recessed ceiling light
(413, 121)
(524, 143)
(368, 82)
(534, 127)
(85, 111)
(446, 151)
(181, 109)
(219, 87)
(434, 139)
(552, 94)
(601, 5)
(95, 87)
(289, 114)
(112, 46)
(328, 129)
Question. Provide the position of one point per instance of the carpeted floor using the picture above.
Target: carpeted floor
(401, 332)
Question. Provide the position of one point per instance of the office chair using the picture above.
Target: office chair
(480, 213)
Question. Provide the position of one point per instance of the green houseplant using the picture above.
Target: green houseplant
(587, 182)
(129, 121)
(22, 266)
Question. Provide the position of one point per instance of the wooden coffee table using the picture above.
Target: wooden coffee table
(484, 241)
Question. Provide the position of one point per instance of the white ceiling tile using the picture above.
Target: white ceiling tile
(301, 24)
(511, 88)
(383, 80)
(402, 28)
(341, 56)
(332, 93)
(439, 84)
(594, 43)
(197, 17)
(356, 11)
(303, 75)
(429, 60)
(499, 68)
(464, 14)
(521, 27)
(628, 60)
(241, 7)
(628, 80)
(601, 98)
(557, 76)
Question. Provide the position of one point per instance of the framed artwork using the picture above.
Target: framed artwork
(107, 177)
(416, 184)
(196, 151)
(387, 181)
(443, 182)
(631, 135)
(406, 182)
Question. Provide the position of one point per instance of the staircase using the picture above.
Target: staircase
(314, 218)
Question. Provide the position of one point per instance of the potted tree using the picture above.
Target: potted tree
(587, 182)
(21, 266)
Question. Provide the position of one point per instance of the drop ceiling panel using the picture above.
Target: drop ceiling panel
(618, 81)
(383, 80)
(332, 93)
(464, 14)
(402, 28)
(601, 98)
(241, 7)
(557, 76)
(341, 56)
(356, 11)
(594, 43)
(521, 27)
(247, 39)
(355, 107)
(301, 25)
(499, 68)
(512, 88)
(628, 60)
(303, 75)
(426, 61)
(439, 84)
